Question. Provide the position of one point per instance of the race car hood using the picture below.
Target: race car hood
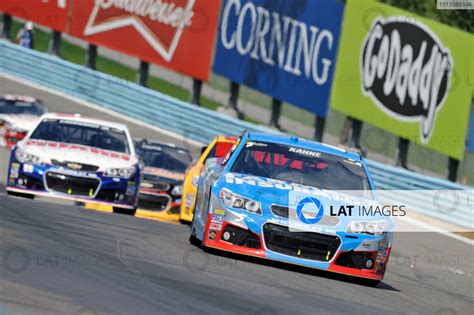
(276, 192)
(155, 174)
(21, 122)
(49, 150)
(259, 188)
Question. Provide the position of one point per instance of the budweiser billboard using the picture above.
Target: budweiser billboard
(52, 13)
(178, 34)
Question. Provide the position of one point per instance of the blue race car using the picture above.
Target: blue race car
(77, 158)
(245, 205)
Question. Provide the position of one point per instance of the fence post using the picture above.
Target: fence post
(319, 123)
(196, 92)
(91, 58)
(143, 73)
(356, 133)
(234, 98)
(55, 43)
(403, 146)
(7, 26)
(453, 166)
(276, 111)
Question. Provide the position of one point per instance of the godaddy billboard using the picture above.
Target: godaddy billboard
(406, 74)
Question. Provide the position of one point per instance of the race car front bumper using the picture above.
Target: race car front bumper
(159, 205)
(253, 235)
(57, 182)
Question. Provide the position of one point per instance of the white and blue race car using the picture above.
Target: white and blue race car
(288, 199)
(77, 158)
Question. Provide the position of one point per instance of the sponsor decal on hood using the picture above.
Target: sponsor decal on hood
(406, 70)
(78, 153)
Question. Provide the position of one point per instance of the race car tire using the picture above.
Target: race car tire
(192, 237)
(184, 222)
(195, 241)
(20, 195)
(124, 211)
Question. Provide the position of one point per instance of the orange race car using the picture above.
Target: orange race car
(218, 148)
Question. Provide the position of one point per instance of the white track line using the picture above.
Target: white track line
(100, 109)
(438, 230)
(180, 137)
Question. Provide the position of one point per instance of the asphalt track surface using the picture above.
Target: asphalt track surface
(61, 259)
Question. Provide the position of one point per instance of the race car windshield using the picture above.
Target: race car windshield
(169, 158)
(20, 108)
(76, 132)
(301, 166)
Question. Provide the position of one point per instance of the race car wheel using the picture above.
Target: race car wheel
(194, 240)
(17, 194)
(124, 211)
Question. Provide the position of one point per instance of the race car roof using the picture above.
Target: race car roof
(140, 142)
(305, 144)
(78, 117)
(21, 98)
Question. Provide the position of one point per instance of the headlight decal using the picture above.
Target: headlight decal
(24, 157)
(377, 228)
(177, 190)
(233, 200)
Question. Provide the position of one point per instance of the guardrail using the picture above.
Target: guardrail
(389, 177)
(125, 97)
(188, 120)
(394, 178)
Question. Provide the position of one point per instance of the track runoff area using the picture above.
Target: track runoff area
(57, 258)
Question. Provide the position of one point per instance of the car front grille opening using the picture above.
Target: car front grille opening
(240, 237)
(282, 211)
(72, 185)
(30, 182)
(153, 202)
(175, 209)
(357, 260)
(307, 245)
